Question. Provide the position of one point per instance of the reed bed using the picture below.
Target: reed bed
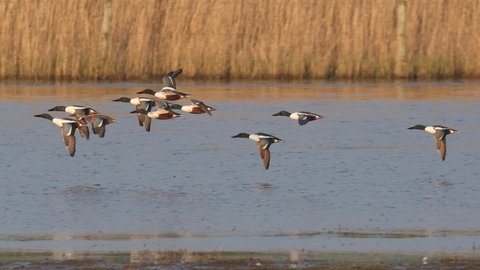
(227, 39)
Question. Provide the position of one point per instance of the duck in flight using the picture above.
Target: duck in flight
(67, 128)
(302, 117)
(197, 107)
(76, 111)
(98, 122)
(264, 141)
(140, 103)
(169, 90)
(439, 133)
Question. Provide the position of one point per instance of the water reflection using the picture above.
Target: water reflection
(254, 91)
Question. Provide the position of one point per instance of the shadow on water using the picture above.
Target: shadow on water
(356, 181)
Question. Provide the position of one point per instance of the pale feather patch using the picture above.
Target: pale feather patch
(254, 137)
(294, 116)
(430, 130)
(135, 101)
(188, 108)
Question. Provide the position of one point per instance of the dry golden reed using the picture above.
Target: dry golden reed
(251, 39)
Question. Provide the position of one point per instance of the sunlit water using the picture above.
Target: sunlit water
(357, 170)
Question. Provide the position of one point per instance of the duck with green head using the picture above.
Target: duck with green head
(197, 107)
(302, 117)
(264, 141)
(67, 129)
(439, 133)
(167, 93)
(162, 112)
(140, 103)
(73, 109)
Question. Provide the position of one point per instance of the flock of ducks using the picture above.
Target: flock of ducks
(144, 109)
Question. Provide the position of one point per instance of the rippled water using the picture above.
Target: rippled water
(358, 170)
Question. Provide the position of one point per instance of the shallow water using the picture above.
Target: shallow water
(188, 184)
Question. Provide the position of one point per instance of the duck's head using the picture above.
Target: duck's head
(147, 91)
(421, 127)
(122, 99)
(44, 115)
(176, 106)
(58, 108)
(282, 113)
(241, 135)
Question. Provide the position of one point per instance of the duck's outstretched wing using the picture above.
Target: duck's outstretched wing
(303, 119)
(265, 155)
(70, 142)
(147, 121)
(169, 79)
(442, 147)
(99, 122)
(175, 73)
(440, 139)
(84, 131)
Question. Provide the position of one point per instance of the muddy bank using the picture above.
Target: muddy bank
(145, 259)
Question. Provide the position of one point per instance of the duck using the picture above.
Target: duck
(440, 133)
(74, 109)
(140, 103)
(264, 141)
(167, 93)
(169, 90)
(302, 117)
(67, 128)
(98, 122)
(197, 107)
(163, 111)
(143, 103)
(77, 110)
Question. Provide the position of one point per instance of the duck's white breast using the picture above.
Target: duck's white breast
(294, 116)
(430, 129)
(135, 101)
(254, 137)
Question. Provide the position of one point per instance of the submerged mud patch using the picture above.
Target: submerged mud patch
(183, 259)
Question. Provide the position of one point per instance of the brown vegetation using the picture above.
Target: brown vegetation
(237, 39)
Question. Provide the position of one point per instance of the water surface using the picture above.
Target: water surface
(357, 180)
